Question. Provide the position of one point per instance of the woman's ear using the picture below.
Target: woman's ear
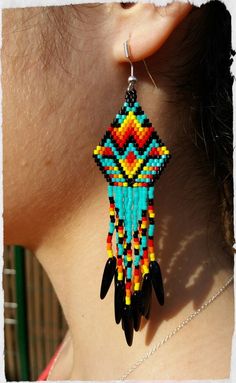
(146, 26)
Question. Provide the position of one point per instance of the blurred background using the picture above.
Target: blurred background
(33, 319)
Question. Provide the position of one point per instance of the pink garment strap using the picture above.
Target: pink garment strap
(44, 374)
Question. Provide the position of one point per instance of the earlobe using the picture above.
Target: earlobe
(147, 27)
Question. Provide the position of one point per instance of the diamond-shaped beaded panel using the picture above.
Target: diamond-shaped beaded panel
(131, 153)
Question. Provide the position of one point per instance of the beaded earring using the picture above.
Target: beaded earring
(131, 157)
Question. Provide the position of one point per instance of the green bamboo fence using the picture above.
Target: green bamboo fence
(34, 322)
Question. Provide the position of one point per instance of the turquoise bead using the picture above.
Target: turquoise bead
(110, 190)
(111, 227)
(151, 192)
(129, 273)
(144, 241)
(151, 230)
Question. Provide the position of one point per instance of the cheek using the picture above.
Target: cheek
(37, 151)
(49, 132)
(52, 121)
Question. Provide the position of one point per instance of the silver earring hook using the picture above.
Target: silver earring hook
(127, 55)
(132, 79)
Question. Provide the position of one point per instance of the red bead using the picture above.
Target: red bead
(119, 261)
(109, 238)
(128, 285)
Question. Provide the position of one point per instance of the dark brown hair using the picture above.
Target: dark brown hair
(201, 74)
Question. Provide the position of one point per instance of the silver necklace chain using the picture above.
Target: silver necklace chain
(152, 351)
(188, 319)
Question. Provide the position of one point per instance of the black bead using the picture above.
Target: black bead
(128, 324)
(137, 309)
(108, 274)
(146, 293)
(119, 299)
(157, 282)
(131, 97)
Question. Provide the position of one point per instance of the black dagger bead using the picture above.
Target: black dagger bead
(119, 298)
(107, 277)
(157, 283)
(146, 293)
(137, 309)
(128, 324)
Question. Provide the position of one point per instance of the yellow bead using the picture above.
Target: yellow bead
(152, 215)
(163, 148)
(129, 259)
(120, 276)
(137, 286)
(125, 184)
(166, 152)
(145, 269)
(127, 300)
(110, 253)
(152, 257)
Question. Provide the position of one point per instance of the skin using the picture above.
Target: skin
(56, 107)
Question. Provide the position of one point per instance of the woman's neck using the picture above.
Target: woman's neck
(188, 244)
(189, 248)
